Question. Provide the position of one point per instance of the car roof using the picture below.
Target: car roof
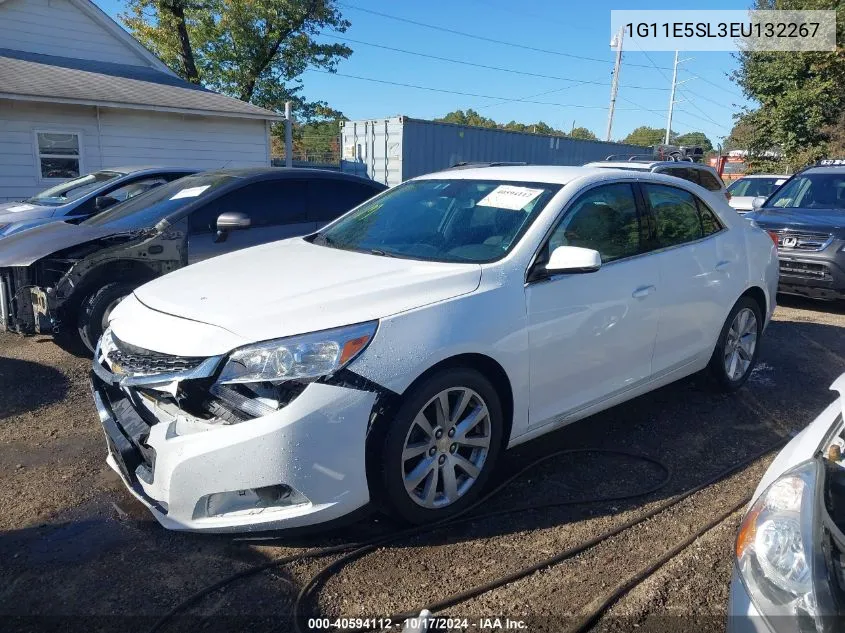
(643, 165)
(131, 169)
(270, 173)
(552, 174)
(823, 169)
(763, 176)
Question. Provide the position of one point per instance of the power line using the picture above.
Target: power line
(715, 85)
(486, 66)
(458, 92)
(658, 112)
(480, 37)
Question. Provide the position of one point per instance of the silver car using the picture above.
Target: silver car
(80, 198)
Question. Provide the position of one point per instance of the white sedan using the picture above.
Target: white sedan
(392, 356)
(790, 551)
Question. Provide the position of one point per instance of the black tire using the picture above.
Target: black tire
(717, 368)
(394, 494)
(94, 308)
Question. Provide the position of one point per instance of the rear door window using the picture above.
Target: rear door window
(708, 180)
(676, 214)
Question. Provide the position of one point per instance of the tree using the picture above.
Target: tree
(584, 133)
(648, 136)
(253, 50)
(800, 94)
(695, 138)
(470, 117)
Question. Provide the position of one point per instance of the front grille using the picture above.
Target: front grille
(138, 361)
(802, 240)
(805, 270)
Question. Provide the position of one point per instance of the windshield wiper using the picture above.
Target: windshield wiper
(381, 253)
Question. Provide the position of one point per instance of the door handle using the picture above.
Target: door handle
(723, 264)
(643, 291)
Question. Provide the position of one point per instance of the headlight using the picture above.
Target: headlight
(777, 555)
(296, 358)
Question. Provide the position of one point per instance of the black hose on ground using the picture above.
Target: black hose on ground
(353, 551)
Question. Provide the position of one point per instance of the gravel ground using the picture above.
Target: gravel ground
(77, 552)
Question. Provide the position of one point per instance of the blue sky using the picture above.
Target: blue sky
(707, 99)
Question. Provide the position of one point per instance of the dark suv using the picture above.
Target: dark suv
(64, 277)
(807, 216)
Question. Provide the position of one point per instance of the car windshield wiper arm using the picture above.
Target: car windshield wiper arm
(381, 253)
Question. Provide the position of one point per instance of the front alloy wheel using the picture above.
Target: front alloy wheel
(446, 447)
(441, 446)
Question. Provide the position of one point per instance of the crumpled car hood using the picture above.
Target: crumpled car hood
(27, 247)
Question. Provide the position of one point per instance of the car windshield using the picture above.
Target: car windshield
(753, 187)
(73, 189)
(147, 209)
(811, 191)
(442, 220)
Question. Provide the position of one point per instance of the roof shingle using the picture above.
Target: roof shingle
(46, 77)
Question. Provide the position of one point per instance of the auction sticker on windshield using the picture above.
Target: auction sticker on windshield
(190, 192)
(19, 208)
(509, 197)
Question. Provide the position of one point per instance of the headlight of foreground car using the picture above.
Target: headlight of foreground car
(778, 557)
(303, 357)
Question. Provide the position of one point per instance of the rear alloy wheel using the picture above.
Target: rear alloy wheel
(736, 352)
(442, 446)
(96, 309)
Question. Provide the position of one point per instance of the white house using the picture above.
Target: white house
(78, 93)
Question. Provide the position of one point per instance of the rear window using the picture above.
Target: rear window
(147, 209)
(753, 187)
(709, 181)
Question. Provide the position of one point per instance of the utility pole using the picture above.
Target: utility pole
(671, 99)
(288, 136)
(614, 85)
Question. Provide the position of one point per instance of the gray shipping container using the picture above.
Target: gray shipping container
(395, 149)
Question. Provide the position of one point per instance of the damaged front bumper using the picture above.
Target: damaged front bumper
(26, 308)
(300, 465)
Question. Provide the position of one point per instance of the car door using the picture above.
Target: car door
(277, 209)
(701, 273)
(592, 335)
(329, 198)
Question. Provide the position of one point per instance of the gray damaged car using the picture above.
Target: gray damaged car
(64, 279)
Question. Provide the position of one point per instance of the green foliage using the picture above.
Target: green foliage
(645, 135)
(800, 95)
(473, 118)
(695, 138)
(584, 133)
(254, 50)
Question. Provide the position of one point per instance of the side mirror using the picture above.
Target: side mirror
(104, 202)
(758, 202)
(231, 221)
(573, 259)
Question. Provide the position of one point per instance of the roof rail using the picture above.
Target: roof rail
(472, 165)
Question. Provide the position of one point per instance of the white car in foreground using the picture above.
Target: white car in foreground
(790, 552)
(393, 355)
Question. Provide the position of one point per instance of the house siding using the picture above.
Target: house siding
(123, 137)
(56, 27)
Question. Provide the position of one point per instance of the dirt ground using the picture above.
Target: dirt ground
(78, 553)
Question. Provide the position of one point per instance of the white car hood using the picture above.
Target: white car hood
(293, 286)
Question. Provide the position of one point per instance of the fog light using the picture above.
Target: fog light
(248, 502)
